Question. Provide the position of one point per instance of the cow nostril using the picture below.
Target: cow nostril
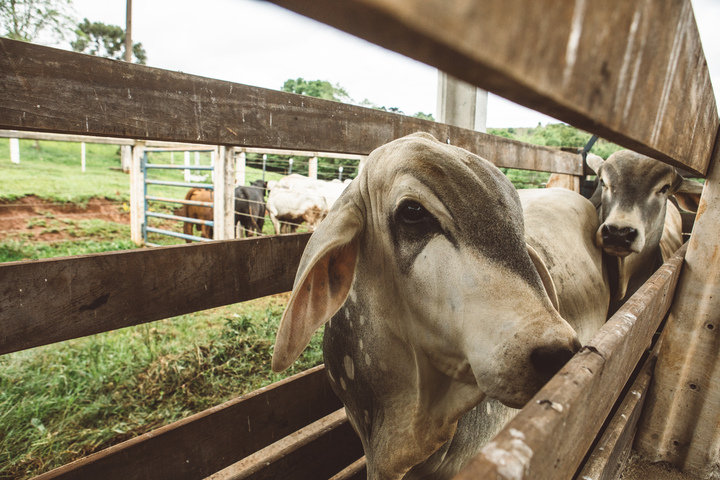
(549, 360)
(607, 231)
(630, 235)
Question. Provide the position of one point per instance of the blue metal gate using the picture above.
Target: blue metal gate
(146, 166)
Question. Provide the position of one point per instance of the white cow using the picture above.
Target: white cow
(436, 314)
(560, 225)
(634, 211)
(295, 199)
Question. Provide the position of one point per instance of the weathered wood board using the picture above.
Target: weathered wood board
(51, 90)
(612, 451)
(552, 434)
(631, 71)
(48, 301)
(682, 412)
(202, 444)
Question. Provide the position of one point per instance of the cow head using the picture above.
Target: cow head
(632, 199)
(435, 300)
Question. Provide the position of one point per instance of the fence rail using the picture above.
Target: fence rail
(48, 301)
(673, 119)
(36, 101)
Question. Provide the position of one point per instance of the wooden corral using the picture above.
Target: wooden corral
(628, 70)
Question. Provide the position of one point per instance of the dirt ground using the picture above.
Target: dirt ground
(639, 469)
(26, 215)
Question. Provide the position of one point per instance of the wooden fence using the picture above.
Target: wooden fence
(643, 84)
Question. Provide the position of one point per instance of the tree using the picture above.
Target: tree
(317, 88)
(46, 21)
(103, 40)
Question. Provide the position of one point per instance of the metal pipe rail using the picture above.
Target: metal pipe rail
(176, 234)
(177, 200)
(208, 186)
(167, 216)
(178, 167)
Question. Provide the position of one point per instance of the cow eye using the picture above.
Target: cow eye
(413, 212)
(664, 189)
(602, 183)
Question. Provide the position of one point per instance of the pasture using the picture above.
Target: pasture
(64, 401)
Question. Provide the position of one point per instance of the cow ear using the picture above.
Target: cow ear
(594, 162)
(544, 276)
(688, 194)
(322, 284)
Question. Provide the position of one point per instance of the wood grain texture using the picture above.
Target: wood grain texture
(682, 412)
(631, 71)
(608, 458)
(202, 444)
(552, 434)
(321, 450)
(48, 301)
(51, 90)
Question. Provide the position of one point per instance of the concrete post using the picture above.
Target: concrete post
(15, 150)
(313, 168)
(461, 104)
(240, 163)
(224, 198)
(137, 193)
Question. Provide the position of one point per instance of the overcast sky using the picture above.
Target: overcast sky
(257, 43)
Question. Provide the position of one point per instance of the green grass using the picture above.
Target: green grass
(67, 400)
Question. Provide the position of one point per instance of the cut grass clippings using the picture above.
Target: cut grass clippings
(67, 400)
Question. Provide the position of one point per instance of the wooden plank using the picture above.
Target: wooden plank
(319, 450)
(631, 71)
(608, 458)
(51, 90)
(682, 412)
(202, 444)
(551, 435)
(56, 137)
(355, 471)
(48, 301)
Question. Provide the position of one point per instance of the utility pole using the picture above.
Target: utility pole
(128, 32)
(125, 150)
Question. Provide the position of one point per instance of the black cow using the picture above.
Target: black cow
(250, 207)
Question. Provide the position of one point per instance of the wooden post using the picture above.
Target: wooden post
(15, 150)
(137, 193)
(682, 413)
(313, 167)
(82, 157)
(224, 203)
(240, 162)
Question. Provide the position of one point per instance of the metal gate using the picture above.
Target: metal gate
(146, 166)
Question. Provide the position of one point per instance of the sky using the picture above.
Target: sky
(260, 44)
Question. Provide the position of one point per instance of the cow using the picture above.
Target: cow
(632, 201)
(250, 207)
(296, 199)
(560, 226)
(199, 212)
(437, 315)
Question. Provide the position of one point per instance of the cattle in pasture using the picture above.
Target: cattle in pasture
(296, 199)
(199, 212)
(250, 207)
(632, 200)
(437, 316)
(560, 226)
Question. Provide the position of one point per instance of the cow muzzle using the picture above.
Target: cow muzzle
(532, 370)
(619, 241)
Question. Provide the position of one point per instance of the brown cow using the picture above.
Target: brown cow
(195, 211)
